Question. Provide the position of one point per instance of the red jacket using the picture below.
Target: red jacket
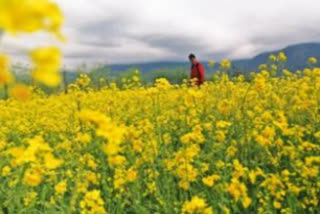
(197, 71)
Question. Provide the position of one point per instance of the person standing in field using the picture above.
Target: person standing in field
(197, 72)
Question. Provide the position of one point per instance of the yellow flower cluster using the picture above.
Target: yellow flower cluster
(5, 75)
(31, 16)
(196, 205)
(211, 63)
(92, 203)
(46, 64)
(312, 60)
(225, 64)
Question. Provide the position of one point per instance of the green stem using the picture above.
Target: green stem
(5, 89)
(65, 84)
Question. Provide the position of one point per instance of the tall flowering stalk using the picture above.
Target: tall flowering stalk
(28, 17)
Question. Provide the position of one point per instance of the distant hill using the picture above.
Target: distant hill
(297, 58)
(149, 67)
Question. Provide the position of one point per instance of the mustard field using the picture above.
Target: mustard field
(231, 146)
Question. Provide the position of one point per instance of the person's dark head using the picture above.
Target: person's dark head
(192, 58)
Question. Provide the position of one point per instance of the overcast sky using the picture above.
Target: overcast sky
(125, 31)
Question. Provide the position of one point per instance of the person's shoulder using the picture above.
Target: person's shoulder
(200, 64)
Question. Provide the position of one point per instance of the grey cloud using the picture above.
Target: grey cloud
(271, 41)
(108, 27)
(12, 49)
(287, 36)
(181, 45)
(144, 30)
(99, 43)
(177, 44)
(88, 55)
(101, 34)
